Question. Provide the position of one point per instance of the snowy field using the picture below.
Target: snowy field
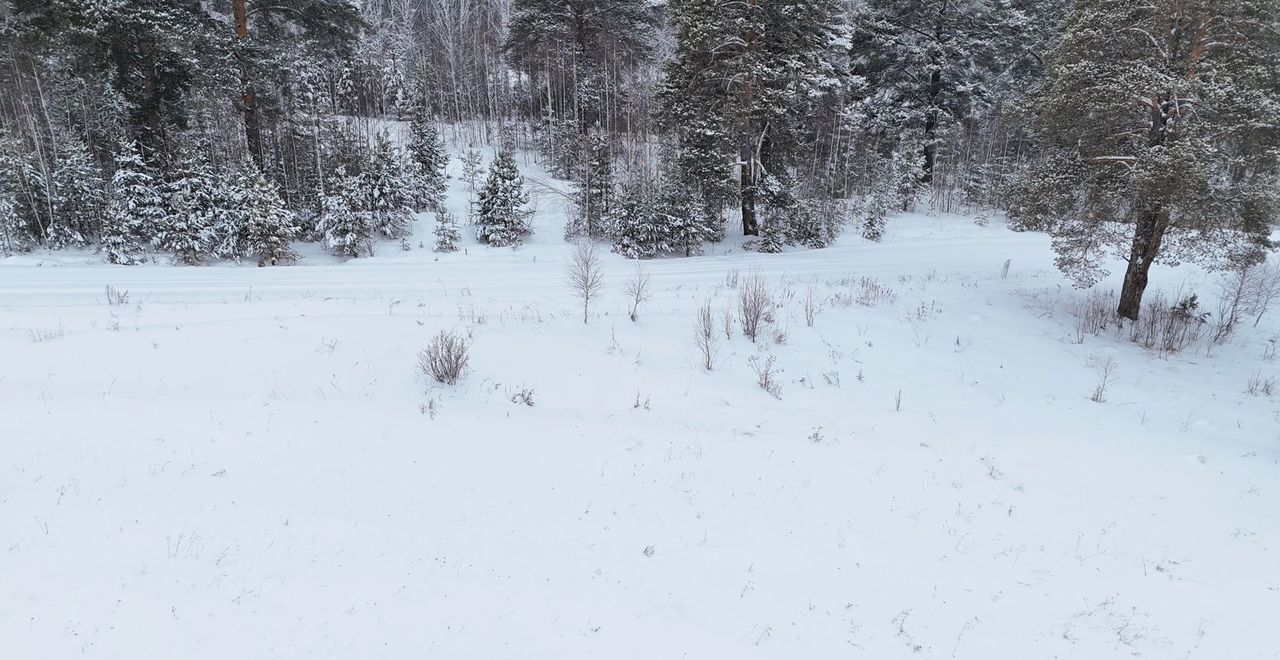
(245, 463)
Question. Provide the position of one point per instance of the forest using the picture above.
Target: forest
(203, 130)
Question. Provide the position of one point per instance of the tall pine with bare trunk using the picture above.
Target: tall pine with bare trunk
(1160, 140)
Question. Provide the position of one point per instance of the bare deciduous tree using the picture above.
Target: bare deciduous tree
(586, 275)
(704, 335)
(637, 290)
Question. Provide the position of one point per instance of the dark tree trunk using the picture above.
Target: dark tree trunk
(248, 95)
(1148, 232)
(931, 126)
(747, 174)
(748, 189)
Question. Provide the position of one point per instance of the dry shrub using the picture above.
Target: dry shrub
(445, 358)
(755, 304)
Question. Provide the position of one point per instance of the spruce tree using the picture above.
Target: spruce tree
(343, 227)
(268, 225)
(638, 231)
(136, 211)
(429, 157)
(10, 238)
(742, 87)
(187, 231)
(447, 233)
(226, 231)
(78, 195)
(502, 218)
(1159, 138)
(383, 186)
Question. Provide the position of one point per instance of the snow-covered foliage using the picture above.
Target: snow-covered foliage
(136, 210)
(502, 216)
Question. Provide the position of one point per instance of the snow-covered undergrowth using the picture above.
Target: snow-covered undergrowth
(243, 462)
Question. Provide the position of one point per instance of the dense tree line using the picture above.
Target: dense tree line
(226, 129)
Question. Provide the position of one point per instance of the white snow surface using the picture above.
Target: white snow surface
(245, 463)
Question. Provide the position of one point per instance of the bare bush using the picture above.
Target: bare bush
(522, 395)
(39, 335)
(704, 336)
(1105, 367)
(871, 293)
(1260, 385)
(586, 275)
(1234, 290)
(767, 375)
(1094, 314)
(1264, 289)
(811, 307)
(754, 305)
(1166, 328)
(728, 323)
(445, 358)
(731, 278)
(116, 297)
(637, 289)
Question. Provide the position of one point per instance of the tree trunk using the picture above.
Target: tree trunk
(248, 95)
(747, 173)
(1148, 232)
(931, 125)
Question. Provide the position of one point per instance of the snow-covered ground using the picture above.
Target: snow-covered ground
(245, 463)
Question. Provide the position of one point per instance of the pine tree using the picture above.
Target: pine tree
(447, 233)
(471, 162)
(344, 228)
(570, 49)
(1159, 138)
(384, 189)
(502, 219)
(427, 152)
(268, 225)
(136, 209)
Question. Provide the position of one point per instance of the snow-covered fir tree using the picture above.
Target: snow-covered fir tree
(429, 161)
(922, 66)
(268, 225)
(345, 228)
(741, 90)
(192, 209)
(78, 195)
(9, 229)
(136, 210)
(383, 186)
(638, 231)
(502, 216)
(448, 235)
